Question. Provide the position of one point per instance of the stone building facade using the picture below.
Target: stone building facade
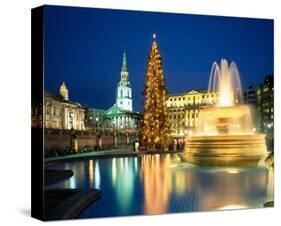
(184, 110)
(58, 112)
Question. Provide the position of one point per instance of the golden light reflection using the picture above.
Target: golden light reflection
(180, 182)
(232, 207)
(270, 183)
(233, 171)
(91, 172)
(157, 183)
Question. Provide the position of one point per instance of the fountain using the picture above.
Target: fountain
(225, 135)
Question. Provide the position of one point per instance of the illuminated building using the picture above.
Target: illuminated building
(184, 109)
(124, 90)
(94, 118)
(253, 97)
(268, 104)
(121, 115)
(262, 99)
(59, 112)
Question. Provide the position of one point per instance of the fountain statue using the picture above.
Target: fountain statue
(225, 135)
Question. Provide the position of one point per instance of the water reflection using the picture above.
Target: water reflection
(124, 186)
(155, 184)
(72, 182)
(91, 172)
(114, 171)
(97, 175)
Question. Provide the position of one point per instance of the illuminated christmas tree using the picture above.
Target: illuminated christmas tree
(155, 128)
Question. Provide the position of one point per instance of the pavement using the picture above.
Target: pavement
(104, 153)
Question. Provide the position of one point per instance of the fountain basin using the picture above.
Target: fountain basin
(225, 150)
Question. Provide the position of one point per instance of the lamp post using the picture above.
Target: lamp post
(97, 140)
(90, 122)
(136, 131)
(127, 134)
(114, 134)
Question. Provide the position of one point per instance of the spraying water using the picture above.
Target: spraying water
(225, 80)
(225, 133)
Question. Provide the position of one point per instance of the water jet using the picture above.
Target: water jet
(225, 135)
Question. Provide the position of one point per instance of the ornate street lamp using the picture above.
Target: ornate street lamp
(97, 135)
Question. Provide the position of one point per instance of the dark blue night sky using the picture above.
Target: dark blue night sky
(83, 47)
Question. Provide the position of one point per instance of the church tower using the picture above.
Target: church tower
(124, 90)
(64, 91)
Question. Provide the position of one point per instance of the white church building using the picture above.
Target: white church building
(121, 114)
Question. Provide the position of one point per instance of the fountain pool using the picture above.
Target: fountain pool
(159, 184)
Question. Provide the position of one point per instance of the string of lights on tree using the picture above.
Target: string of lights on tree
(155, 128)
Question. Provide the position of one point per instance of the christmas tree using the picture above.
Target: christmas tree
(155, 127)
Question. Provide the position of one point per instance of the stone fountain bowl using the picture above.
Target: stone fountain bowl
(225, 150)
(223, 111)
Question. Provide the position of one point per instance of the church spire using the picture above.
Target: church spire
(124, 69)
(124, 61)
(124, 89)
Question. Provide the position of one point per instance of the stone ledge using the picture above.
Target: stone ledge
(69, 208)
